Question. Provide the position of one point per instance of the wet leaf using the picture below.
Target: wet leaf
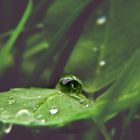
(40, 107)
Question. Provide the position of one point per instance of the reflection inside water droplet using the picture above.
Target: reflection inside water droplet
(53, 111)
(101, 20)
(70, 84)
(24, 115)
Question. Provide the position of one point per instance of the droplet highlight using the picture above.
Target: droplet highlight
(101, 20)
(53, 111)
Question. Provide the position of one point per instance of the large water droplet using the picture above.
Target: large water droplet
(7, 128)
(54, 110)
(70, 84)
(11, 100)
(102, 63)
(24, 115)
(101, 20)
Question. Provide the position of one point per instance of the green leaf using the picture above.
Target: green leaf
(40, 107)
(6, 50)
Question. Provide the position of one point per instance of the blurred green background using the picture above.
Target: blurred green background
(92, 39)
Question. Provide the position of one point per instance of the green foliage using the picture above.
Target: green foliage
(6, 50)
(96, 40)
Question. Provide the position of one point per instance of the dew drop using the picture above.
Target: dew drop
(70, 84)
(23, 115)
(101, 20)
(7, 128)
(84, 102)
(53, 111)
(11, 100)
(87, 105)
(102, 63)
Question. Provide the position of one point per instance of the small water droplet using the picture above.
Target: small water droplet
(23, 115)
(102, 63)
(11, 100)
(8, 128)
(101, 20)
(87, 105)
(53, 111)
(85, 102)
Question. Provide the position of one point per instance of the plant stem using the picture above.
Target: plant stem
(103, 129)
